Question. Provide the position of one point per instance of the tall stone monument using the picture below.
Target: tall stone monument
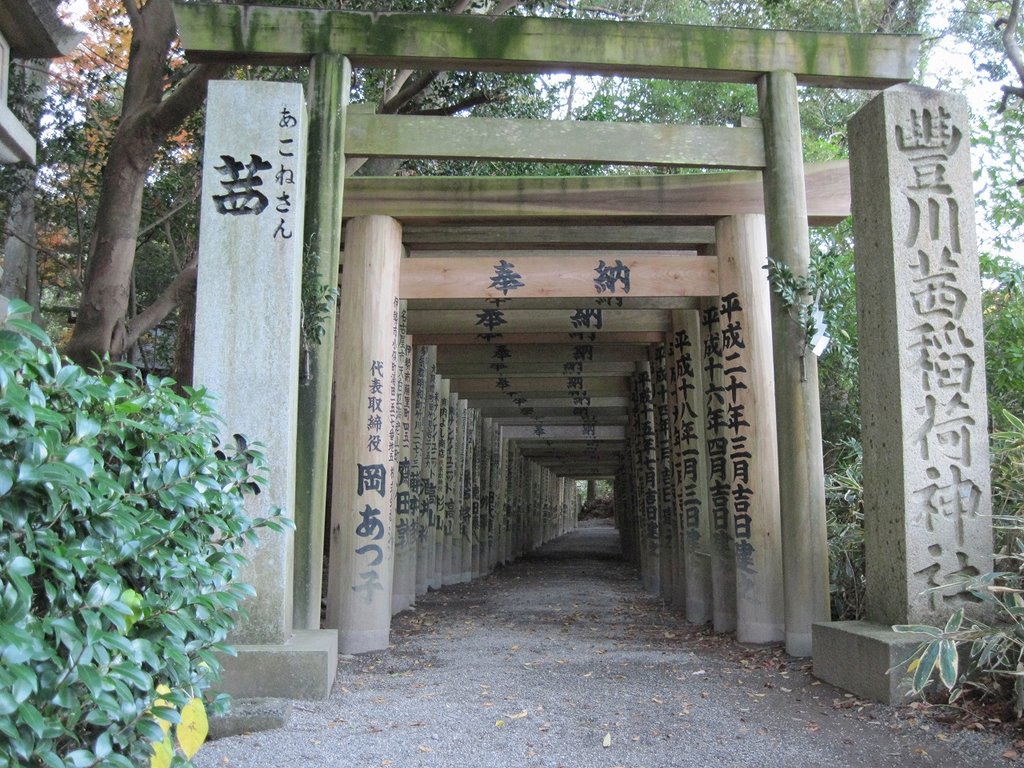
(247, 352)
(927, 497)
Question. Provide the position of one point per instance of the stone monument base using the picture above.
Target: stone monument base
(864, 658)
(302, 668)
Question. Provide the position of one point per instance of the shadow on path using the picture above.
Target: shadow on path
(561, 660)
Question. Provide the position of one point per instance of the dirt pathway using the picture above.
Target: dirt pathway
(561, 660)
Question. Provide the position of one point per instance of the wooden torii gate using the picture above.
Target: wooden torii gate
(695, 247)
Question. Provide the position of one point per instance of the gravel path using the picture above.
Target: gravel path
(562, 660)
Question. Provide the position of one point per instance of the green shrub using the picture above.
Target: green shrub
(988, 655)
(121, 534)
(844, 517)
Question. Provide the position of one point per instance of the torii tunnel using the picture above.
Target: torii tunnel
(501, 339)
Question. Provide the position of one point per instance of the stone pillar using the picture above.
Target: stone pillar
(927, 498)
(329, 80)
(723, 558)
(247, 355)
(748, 416)
(365, 467)
(686, 384)
(797, 407)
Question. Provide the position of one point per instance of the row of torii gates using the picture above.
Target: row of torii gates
(501, 338)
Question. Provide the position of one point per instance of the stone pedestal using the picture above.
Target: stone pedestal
(247, 350)
(927, 498)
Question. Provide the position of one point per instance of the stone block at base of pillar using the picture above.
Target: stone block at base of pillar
(251, 716)
(302, 668)
(866, 659)
(353, 641)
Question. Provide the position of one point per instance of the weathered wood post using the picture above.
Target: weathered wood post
(247, 354)
(423, 381)
(365, 466)
(328, 95)
(723, 554)
(403, 594)
(647, 479)
(673, 585)
(690, 456)
(746, 412)
(927, 497)
(441, 507)
(797, 407)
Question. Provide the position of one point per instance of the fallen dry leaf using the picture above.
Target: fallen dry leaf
(1011, 754)
(607, 742)
(425, 748)
(518, 715)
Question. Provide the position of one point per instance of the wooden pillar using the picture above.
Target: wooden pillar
(673, 587)
(443, 457)
(423, 449)
(364, 467)
(647, 479)
(747, 410)
(686, 384)
(723, 557)
(801, 470)
(327, 98)
(403, 593)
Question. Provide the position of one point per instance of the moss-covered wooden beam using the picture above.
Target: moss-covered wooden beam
(259, 34)
(503, 274)
(685, 198)
(558, 141)
(422, 239)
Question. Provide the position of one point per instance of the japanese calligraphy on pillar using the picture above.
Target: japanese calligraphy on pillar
(687, 439)
(372, 483)
(944, 337)
(719, 491)
(247, 178)
(737, 430)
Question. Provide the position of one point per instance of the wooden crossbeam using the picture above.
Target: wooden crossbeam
(505, 273)
(254, 34)
(565, 433)
(481, 337)
(478, 240)
(561, 302)
(556, 141)
(698, 198)
(527, 367)
(545, 353)
(537, 321)
(536, 385)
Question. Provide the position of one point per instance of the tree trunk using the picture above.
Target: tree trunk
(148, 115)
(20, 278)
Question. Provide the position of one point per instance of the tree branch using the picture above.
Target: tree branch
(191, 199)
(131, 7)
(469, 102)
(1009, 36)
(187, 94)
(408, 93)
(151, 316)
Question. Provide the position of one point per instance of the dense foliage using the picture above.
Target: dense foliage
(122, 524)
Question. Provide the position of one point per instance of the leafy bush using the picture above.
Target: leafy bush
(121, 535)
(970, 654)
(844, 518)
